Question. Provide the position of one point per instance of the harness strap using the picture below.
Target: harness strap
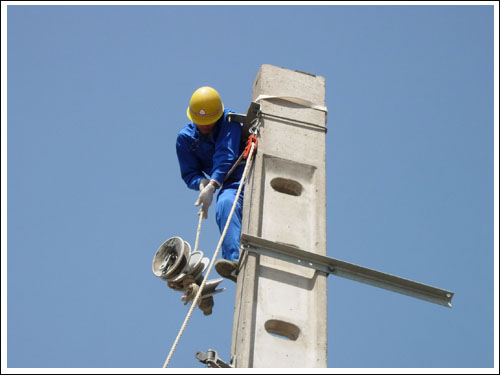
(294, 99)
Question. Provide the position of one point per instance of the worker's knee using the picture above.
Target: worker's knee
(225, 202)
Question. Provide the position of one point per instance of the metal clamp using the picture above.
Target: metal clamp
(211, 359)
(250, 122)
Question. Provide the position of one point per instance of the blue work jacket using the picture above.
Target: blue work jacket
(201, 156)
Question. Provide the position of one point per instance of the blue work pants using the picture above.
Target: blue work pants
(231, 243)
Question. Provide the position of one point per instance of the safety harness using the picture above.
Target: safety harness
(249, 132)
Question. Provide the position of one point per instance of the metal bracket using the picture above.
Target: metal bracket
(347, 270)
(248, 120)
(236, 117)
(211, 359)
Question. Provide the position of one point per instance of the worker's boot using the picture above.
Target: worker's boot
(227, 268)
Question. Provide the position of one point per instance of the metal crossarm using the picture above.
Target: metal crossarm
(347, 270)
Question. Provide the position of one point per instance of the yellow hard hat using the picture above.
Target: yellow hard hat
(205, 106)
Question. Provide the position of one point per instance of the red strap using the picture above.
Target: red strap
(251, 139)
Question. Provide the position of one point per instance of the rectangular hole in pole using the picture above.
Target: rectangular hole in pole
(282, 329)
(286, 186)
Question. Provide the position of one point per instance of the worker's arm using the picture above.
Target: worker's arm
(191, 168)
(227, 149)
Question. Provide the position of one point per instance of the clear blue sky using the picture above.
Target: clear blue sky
(96, 97)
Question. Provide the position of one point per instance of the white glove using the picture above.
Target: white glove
(205, 198)
(203, 183)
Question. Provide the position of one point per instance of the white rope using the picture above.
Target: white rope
(200, 213)
(213, 260)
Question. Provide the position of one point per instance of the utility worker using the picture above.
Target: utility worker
(207, 147)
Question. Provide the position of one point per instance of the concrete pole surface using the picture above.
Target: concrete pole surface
(280, 317)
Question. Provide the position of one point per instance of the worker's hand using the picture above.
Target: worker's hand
(205, 199)
(203, 183)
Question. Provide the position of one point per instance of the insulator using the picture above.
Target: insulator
(171, 258)
(180, 268)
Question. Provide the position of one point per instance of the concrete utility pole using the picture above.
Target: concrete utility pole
(280, 308)
(280, 317)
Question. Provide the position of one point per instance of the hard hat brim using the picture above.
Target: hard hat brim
(204, 120)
